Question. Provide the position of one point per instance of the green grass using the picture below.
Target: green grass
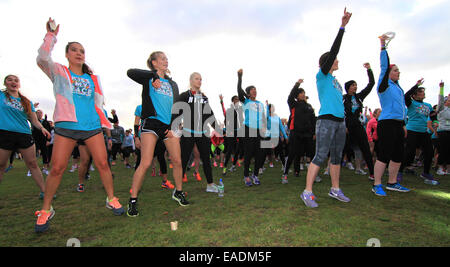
(269, 215)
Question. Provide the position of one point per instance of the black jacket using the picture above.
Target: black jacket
(200, 112)
(302, 119)
(144, 77)
(352, 119)
(38, 136)
(234, 119)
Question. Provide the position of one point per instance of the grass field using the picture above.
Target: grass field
(269, 215)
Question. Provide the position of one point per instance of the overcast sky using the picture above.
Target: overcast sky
(276, 42)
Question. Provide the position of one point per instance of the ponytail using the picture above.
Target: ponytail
(26, 104)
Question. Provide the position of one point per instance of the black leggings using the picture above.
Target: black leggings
(444, 148)
(116, 148)
(252, 149)
(358, 137)
(415, 140)
(298, 146)
(204, 147)
(231, 147)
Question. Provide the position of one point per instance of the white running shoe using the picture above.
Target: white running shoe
(74, 168)
(212, 188)
(350, 166)
(441, 172)
(29, 173)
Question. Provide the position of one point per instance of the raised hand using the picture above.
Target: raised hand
(367, 66)
(51, 27)
(346, 18)
(240, 72)
(383, 39)
(221, 97)
(300, 81)
(420, 82)
(441, 84)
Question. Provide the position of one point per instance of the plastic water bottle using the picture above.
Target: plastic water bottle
(221, 187)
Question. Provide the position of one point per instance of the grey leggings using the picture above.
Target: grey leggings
(330, 138)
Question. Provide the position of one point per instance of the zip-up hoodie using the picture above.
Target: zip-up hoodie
(62, 85)
(352, 119)
(391, 95)
(144, 77)
(200, 112)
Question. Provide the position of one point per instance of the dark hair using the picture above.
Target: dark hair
(348, 84)
(323, 59)
(85, 68)
(247, 90)
(26, 103)
(233, 97)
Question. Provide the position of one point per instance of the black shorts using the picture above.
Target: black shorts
(391, 141)
(127, 151)
(155, 127)
(13, 141)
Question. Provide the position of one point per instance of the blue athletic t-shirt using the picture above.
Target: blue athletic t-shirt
(84, 101)
(162, 99)
(355, 104)
(330, 95)
(418, 116)
(12, 115)
(138, 111)
(253, 111)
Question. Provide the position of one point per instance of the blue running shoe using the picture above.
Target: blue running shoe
(9, 168)
(248, 182)
(429, 179)
(255, 180)
(378, 190)
(309, 199)
(397, 187)
(339, 195)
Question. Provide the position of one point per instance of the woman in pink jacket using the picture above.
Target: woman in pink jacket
(371, 131)
(78, 116)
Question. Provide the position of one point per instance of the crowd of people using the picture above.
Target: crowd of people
(180, 129)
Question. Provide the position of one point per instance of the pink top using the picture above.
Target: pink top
(371, 130)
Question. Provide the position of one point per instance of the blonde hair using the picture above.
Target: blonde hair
(154, 56)
(192, 77)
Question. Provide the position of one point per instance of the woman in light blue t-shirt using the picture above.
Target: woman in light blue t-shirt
(15, 133)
